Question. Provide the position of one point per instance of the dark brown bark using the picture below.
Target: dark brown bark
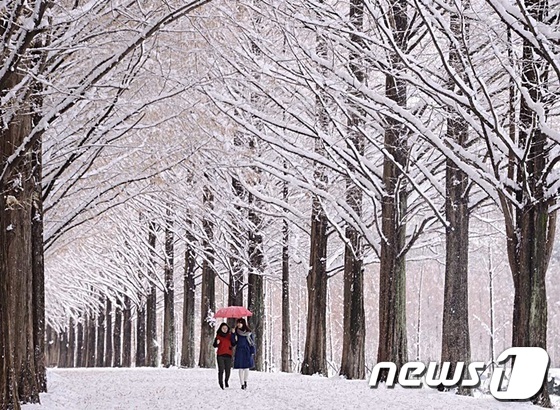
(9, 398)
(187, 347)
(256, 285)
(127, 333)
(353, 344)
(38, 266)
(392, 281)
(315, 355)
(108, 360)
(80, 345)
(151, 304)
(169, 298)
(208, 296)
(17, 215)
(71, 344)
(100, 346)
(455, 344)
(53, 348)
(531, 228)
(140, 335)
(90, 341)
(63, 349)
(286, 353)
(235, 285)
(117, 336)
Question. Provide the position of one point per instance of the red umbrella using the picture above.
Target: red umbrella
(233, 312)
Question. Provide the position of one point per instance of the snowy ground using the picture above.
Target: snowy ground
(147, 389)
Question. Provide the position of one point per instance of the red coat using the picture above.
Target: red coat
(225, 347)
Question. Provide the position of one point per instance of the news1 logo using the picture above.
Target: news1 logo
(530, 368)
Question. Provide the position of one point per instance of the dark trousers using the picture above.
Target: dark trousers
(224, 365)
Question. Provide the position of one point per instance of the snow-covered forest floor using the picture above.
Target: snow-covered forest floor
(148, 388)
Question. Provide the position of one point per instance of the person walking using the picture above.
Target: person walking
(224, 341)
(244, 350)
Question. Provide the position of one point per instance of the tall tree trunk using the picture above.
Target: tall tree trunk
(151, 304)
(127, 333)
(100, 350)
(455, 340)
(117, 337)
(18, 214)
(286, 335)
(354, 327)
(256, 285)
(187, 347)
(80, 345)
(108, 333)
(169, 298)
(235, 285)
(63, 346)
(90, 341)
(208, 297)
(531, 228)
(140, 335)
(315, 353)
(71, 343)
(38, 266)
(392, 281)
(9, 398)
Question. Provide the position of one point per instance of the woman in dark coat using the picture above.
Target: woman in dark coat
(244, 351)
(224, 341)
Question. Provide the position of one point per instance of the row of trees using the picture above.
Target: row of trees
(47, 78)
(368, 125)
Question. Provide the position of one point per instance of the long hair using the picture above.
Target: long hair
(245, 327)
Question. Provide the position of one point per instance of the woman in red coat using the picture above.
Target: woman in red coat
(224, 341)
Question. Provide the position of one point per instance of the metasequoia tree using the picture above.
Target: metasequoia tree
(22, 29)
(353, 345)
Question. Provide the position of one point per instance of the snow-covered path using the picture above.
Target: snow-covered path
(170, 389)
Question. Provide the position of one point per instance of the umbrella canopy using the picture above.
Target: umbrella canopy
(233, 312)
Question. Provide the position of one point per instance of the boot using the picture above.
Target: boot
(245, 385)
(227, 384)
(221, 384)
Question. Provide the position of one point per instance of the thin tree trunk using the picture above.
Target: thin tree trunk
(38, 273)
(90, 341)
(127, 333)
(80, 346)
(140, 335)
(63, 349)
(71, 343)
(151, 304)
(256, 285)
(354, 327)
(208, 297)
(235, 285)
(117, 336)
(100, 353)
(392, 345)
(187, 347)
(169, 298)
(286, 335)
(108, 333)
